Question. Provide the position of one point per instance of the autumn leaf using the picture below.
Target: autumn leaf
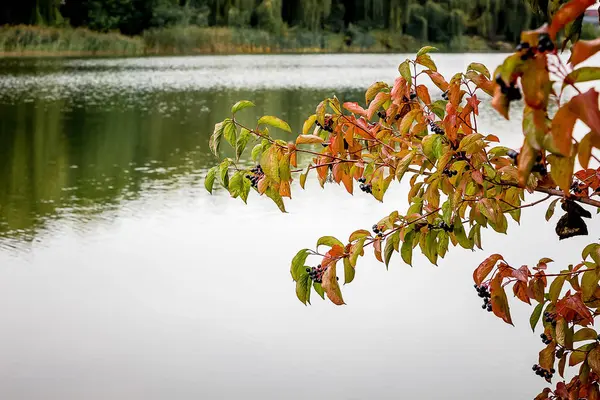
(566, 14)
(438, 80)
(484, 269)
(355, 108)
(585, 107)
(331, 286)
(309, 139)
(371, 92)
(546, 359)
(574, 303)
(377, 102)
(584, 49)
(499, 301)
(562, 170)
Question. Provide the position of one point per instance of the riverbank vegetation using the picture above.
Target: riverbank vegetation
(242, 26)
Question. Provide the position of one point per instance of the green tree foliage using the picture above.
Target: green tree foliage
(431, 20)
(461, 181)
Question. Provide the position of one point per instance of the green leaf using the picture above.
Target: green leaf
(329, 241)
(303, 288)
(535, 316)
(246, 185)
(477, 67)
(319, 290)
(269, 161)
(224, 172)
(276, 197)
(585, 334)
(555, 288)
(404, 70)
(215, 139)
(443, 242)
(373, 90)
(550, 210)
(240, 105)
(229, 131)
(407, 247)
(583, 74)
(242, 141)
(303, 176)
(461, 236)
(356, 249)
(210, 179)
(589, 283)
(275, 122)
(390, 245)
(425, 50)
(298, 261)
(349, 271)
(236, 184)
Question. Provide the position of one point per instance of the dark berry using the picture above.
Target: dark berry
(413, 96)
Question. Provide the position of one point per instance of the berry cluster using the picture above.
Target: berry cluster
(549, 318)
(511, 92)
(449, 173)
(257, 174)
(446, 227)
(377, 231)
(381, 114)
(545, 339)
(435, 128)
(316, 273)
(545, 43)
(327, 126)
(445, 95)
(541, 168)
(544, 373)
(365, 187)
(484, 293)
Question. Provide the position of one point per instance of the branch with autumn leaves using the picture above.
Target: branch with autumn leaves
(460, 179)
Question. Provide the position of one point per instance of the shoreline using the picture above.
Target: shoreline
(40, 42)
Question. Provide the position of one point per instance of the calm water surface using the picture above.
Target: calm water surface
(121, 278)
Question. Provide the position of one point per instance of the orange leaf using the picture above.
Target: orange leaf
(562, 129)
(521, 274)
(284, 189)
(568, 13)
(437, 79)
(377, 249)
(331, 286)
(584, 49)
(536, 82)
(473, 101)
(484, 269)
(423, 94)
(500, 102)
(353, 107)
(520, 290)
(499, 300)
(585, 106)
(377, 102)
(527, 159)
(309, 139)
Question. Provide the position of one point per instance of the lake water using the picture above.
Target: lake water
(121, 278)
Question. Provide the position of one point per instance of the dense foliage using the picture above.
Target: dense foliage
(430, 20)
(460, 180)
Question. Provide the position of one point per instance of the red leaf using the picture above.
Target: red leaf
(574, 303)
(568, 13)
(483, 270)
(521, 274)
(584, 49)
(474, 102)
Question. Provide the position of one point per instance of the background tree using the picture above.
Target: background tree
(461, 181)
